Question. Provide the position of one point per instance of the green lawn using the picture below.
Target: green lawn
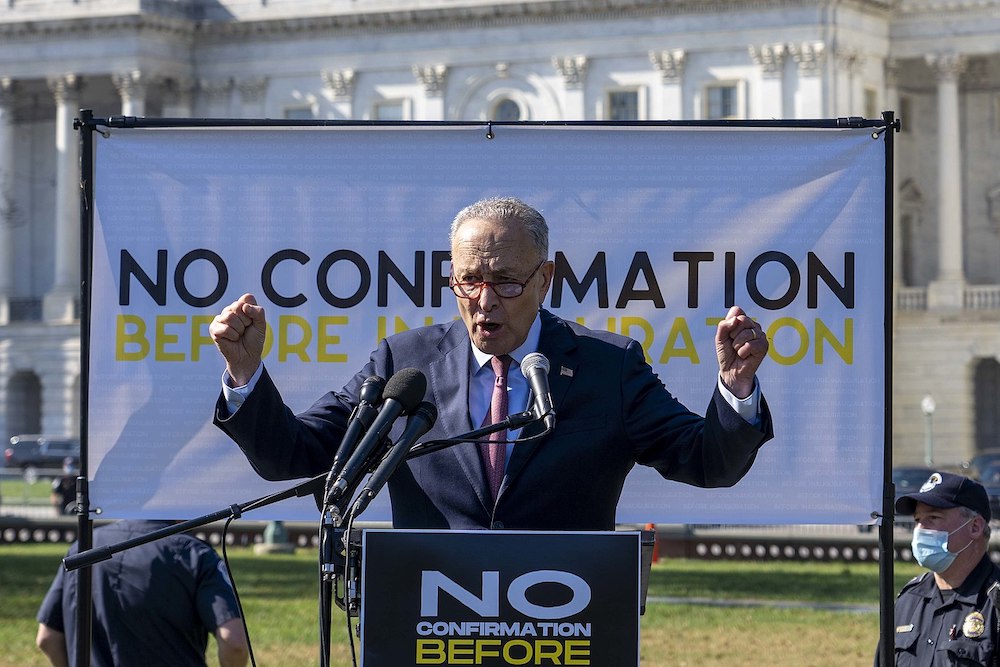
(279, 596)
(15, 491)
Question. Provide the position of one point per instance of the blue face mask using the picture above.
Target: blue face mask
(930, 548)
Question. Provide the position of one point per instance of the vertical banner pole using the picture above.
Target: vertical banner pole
(85, 125)
(885, 533)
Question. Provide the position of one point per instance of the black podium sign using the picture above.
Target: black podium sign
(500, 598)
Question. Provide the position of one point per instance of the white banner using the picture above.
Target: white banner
(341, 233)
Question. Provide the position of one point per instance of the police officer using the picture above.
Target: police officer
(948, 616)
(64, 489)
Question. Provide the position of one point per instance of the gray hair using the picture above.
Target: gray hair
(972, 514)
(507, 210)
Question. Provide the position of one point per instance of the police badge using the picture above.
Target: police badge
(974, 625)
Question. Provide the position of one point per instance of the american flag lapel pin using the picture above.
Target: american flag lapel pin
(568, 372)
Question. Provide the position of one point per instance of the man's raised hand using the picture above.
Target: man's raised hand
(741, 346)
(238, 331)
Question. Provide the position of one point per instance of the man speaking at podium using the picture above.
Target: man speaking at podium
(612, 410)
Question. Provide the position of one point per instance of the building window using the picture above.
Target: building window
(623, 105)
(908, 227)
(905, 114)
(993, 204)
(24, 401)
(299, 113)
(724, 101)
(986, 397)
(390, 110)
(871, 104)
(506, 110)
(911, 205)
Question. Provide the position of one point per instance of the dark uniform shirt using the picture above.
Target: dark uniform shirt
(64, 489)
(153, 604)
(935, 628)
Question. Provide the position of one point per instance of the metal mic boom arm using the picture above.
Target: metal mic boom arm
(515, 421)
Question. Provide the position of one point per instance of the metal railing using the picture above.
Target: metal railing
(911, 298)
(982, 297)
(974, 297)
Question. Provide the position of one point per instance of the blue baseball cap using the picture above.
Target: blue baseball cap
(946, 490)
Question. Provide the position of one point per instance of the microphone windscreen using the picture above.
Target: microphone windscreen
(407, 387)
(534, 359)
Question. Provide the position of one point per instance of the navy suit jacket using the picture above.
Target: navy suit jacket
(612, 412)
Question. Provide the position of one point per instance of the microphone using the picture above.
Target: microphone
(535, 368)
(417, 424)
(360, 421)
(403, 392)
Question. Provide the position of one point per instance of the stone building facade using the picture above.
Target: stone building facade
(935, 62)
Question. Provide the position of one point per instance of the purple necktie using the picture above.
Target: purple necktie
(494, 450)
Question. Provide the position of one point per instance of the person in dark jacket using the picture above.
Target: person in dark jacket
(154, 604)
(612, 410)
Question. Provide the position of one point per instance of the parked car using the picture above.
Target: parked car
(974, 467)
(988, 474)
(41, 454)
(984, 467)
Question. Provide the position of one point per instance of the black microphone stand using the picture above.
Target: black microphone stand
(98, 554)
(337, 553)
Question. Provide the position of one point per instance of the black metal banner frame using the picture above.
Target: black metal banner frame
(87, 124)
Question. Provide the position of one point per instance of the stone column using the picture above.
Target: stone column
(891, 69)
(849, 97)
(5, 376)
(340, 83)
(58, 306)
(8, 207)
(216, 96)
(252, 96)
(947, 290)
(433, 78)
(132, 90)
(809, 58)
(573, 70)
(771, 60)
(178, 97)
(671, 66)
(59, 398)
